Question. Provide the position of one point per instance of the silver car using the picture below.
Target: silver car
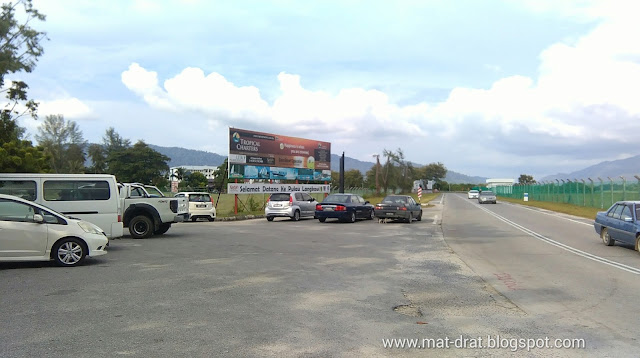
(294, 205)
(487, 197)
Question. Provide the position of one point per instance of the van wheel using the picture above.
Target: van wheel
(296, 216)
(140, 227)
(163, 228)
(68, 252)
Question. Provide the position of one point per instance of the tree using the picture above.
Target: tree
(19, 51)
(113, 142)
(526, 179)
(221, 177)
(353, 179)
(194, 180)
(139, 164)
(63, 141)
(98, 159)
(434, 171)
(20, 156)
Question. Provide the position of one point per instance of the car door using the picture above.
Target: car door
(627, 227)
(414, 207)
(309, 205)
(615, 223)
(363, 210)
(20, 235)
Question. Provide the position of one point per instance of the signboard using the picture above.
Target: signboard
(242, 188)
(258, 155)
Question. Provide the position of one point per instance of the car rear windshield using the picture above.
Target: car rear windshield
(395, 200)
(338, 198)
(279, 197)
(199, 198)
(487, 193)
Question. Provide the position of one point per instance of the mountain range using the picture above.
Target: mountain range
(182, 156)
(626, 168)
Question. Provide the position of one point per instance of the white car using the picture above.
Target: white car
(200, 205)
(473, 194)
(33, 232)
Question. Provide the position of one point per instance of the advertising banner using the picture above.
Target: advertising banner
(242, 188)
(277, 152)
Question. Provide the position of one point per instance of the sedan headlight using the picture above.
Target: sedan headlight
(89, 228)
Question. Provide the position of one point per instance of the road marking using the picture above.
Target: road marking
(542, 212)
(435, 219)
(568, 248)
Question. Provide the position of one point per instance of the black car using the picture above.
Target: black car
(399, 207)
(344, 207)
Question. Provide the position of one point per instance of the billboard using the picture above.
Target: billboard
(258, 155)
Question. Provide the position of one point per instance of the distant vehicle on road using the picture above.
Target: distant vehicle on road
(619, 223)
(487, 196)
(344, 207)
(473, 194)
(399, 207)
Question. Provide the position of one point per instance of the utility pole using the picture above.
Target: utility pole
(377, 156)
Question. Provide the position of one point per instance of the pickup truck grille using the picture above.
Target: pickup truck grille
(173, 204)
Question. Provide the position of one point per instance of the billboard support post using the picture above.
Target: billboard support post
(235, 204)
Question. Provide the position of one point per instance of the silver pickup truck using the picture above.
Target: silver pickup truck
(146, 211)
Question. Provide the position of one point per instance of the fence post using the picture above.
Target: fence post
(591, 180)
(563, 195)
(638, 178)
(556, 191)
(624, 187)
(584, 193)
(611, 182)
(601, 193)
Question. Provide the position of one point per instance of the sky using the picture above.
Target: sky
(492, 88)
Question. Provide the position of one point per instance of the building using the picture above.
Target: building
(504, 184)
(208, 171)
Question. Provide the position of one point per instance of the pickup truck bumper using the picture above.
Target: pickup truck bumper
(181, 217)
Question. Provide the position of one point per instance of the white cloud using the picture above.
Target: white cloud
(70, 108)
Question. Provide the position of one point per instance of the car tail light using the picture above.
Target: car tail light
(211, 197)
(403, 208)
(318, 207)
(290, 200)
(378, 207)
(119, 218)
(341, 208)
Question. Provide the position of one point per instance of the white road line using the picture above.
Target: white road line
(435, 219)
(573, 250)
(561, 217)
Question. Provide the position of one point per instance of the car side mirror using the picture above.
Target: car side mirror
(312, 199)
(38, 218)
(367, 202)
(628, 219)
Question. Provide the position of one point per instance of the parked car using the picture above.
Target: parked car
(200, 205)
(486, 196)
(344, 207)
(398, 207)
(294, 205)
(473, 194)
(33, 232)
(619, 223)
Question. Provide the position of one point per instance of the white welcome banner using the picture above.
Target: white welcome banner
(259, 188)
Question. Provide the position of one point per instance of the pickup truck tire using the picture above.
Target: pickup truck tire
(606, 238)
(141, 227)
(163, 228)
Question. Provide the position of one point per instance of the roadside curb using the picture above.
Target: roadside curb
(240, 217)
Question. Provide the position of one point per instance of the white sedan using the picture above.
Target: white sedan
(473, 194)
(32, 232)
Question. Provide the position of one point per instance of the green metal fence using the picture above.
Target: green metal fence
(593, 193)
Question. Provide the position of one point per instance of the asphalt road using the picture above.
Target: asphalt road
(305, 289)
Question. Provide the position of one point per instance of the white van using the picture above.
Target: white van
(90, 197)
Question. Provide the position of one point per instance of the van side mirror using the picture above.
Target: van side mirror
(312, 199)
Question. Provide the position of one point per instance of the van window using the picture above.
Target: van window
(76, 190)
(25, 189)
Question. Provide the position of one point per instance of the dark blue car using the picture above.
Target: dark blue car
(619, 223)
(344, 207)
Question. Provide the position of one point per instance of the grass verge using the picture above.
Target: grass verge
(581, 211)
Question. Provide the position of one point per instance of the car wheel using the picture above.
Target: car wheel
(638, 243)
(410, 218)
(296, 216)
(140, 227)
(69, 252)
(193, 219)
(352, 218)
(269, 218)
(606, 238)
(419, 218)
(322, 219)
(211, 219)
(163, 228)
(372, 216)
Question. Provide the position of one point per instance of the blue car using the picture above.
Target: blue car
(619, 223)
(344, 207)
